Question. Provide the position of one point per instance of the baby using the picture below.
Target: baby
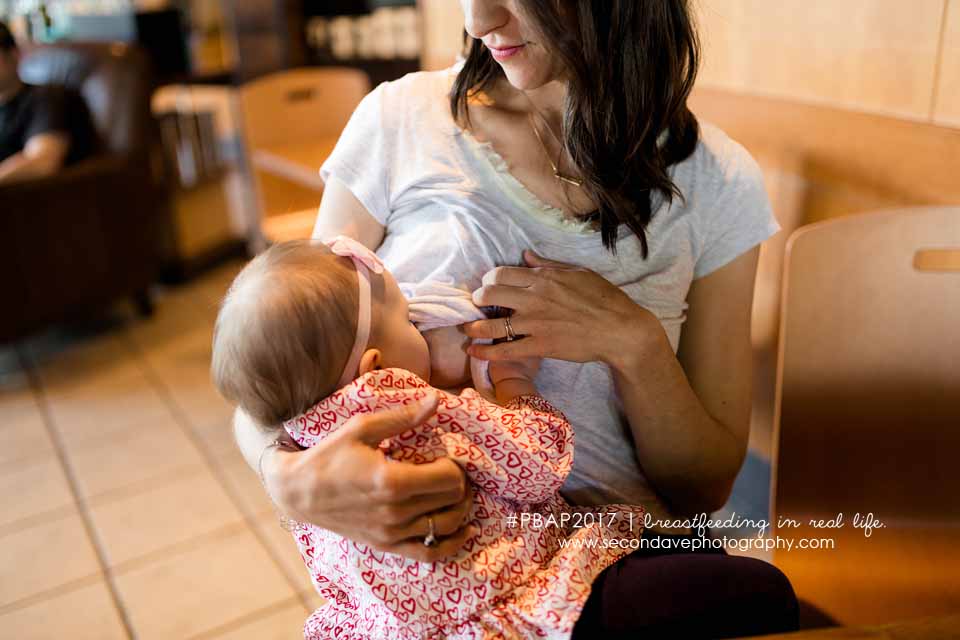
(311, 334)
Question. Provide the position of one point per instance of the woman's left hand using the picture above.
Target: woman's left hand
(561, 311)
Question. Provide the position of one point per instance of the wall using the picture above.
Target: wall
(443, 32)
(880, 56)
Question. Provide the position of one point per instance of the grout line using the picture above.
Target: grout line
(253, 616)
(37, 519)
(228, 530)
(52, 592)
(938, 62)
(213, 462)
(159, 481)
(82, 506)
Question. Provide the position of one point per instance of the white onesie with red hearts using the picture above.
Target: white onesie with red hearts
(513, 579)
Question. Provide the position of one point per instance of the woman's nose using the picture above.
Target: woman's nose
(484, 16)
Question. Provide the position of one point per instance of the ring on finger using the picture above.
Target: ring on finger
(431, 537)
(511, 336)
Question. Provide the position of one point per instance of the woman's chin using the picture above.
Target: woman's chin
(523, 78)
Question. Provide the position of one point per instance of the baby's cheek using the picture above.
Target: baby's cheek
(449, 363)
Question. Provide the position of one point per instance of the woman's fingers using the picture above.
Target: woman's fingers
(445, 548)
(445, 522)
(406, 512)
(510, 276)
(500, 295)
(372, 428)
(496, 328)
(403, 480)
(529, 347)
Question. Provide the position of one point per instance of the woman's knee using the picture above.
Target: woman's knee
(763, 601)
(693, 595)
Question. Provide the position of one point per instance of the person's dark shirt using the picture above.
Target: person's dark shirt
(36, 110)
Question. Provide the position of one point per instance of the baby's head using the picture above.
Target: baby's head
(289, 324)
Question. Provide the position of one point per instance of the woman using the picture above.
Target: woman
(565, 131)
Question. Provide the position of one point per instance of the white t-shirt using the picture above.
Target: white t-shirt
(452, 212)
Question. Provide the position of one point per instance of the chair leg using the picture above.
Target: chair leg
(144, 303)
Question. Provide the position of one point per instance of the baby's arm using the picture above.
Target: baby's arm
(522, 450)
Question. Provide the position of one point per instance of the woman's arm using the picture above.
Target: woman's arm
(342, 214)
(689, 414)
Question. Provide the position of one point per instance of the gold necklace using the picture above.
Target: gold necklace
(553, 165)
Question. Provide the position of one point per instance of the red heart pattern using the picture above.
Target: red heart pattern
(507, 581)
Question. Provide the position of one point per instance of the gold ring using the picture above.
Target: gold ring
(511, 336)
(431, 538)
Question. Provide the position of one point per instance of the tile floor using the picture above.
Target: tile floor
(126, 510)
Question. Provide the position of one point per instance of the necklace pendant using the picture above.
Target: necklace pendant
(562, 178)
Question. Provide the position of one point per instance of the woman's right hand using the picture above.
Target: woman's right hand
(346, 485)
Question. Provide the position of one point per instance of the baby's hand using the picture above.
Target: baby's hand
(523, 369)
(512, 378)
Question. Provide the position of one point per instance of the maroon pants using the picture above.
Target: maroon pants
(675, 593)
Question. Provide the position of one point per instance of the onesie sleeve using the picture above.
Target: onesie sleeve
(522, 451)
(364, 155)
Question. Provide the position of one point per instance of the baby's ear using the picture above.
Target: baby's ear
(369, 361)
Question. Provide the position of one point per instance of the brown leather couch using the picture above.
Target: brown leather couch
(94, 232)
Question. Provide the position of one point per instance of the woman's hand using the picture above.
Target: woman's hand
(346, 485)
(562, 312)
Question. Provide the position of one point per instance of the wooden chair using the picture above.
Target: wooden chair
(291, 122)
(867, 415)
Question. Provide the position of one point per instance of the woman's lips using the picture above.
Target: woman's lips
(504, 53)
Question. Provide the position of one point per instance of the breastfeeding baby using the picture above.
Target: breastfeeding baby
(313, 333)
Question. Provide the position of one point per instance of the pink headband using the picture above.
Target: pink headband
(365, 261)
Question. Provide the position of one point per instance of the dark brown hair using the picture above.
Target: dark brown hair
(284, 331)
(630, 66)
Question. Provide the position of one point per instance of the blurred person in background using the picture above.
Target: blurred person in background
(35, 122)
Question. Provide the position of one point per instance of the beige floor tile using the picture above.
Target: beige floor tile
(177, 333)
(314, 601)
(245, 484)
(152, 454)
(193, 392)
(181, 322)
(285, 624)
(65, 362)
(285, 548)
(107, 409)
(23, 434)
(217, 436)
(32, 489)
(133, 526)
(44, 556)
(86, 613)
(189, 593)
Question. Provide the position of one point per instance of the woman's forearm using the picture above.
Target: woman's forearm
(691, 458)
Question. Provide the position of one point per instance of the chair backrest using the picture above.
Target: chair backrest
(314, 103)
(112, 78)
(867, 414)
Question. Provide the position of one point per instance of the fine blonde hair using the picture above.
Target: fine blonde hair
(285, 330)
